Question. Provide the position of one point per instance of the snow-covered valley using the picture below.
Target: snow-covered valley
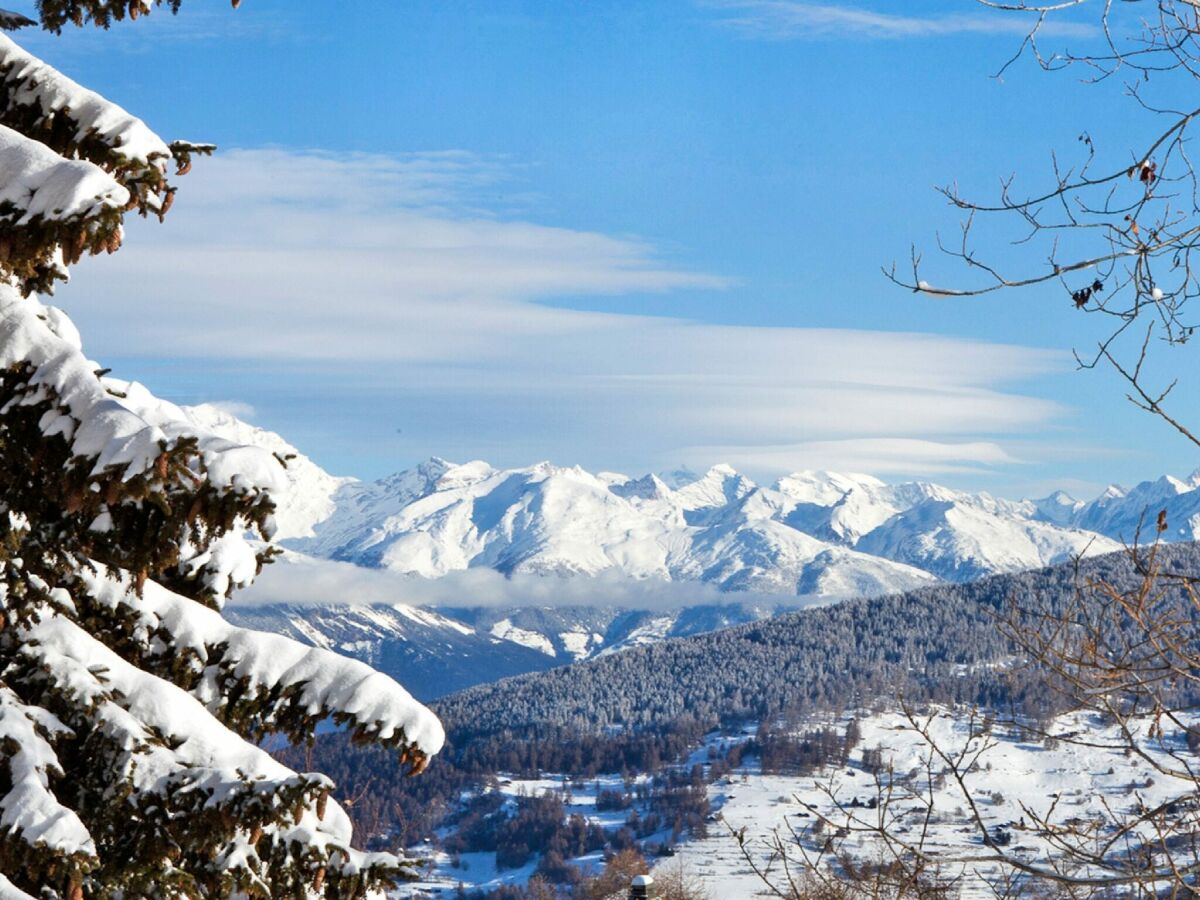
(752, 815)
(1070, 785)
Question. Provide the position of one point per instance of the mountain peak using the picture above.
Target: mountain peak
(681, 477)
(453, 476)
(1170, 481)
(823, 488)
(720, 486)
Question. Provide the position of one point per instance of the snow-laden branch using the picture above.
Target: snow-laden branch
(69, 113)
(278, 682)
(126, 433)
(164, 756)
(55, 128)
(29, 810)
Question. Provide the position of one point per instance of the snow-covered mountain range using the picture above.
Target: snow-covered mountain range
(807, 536)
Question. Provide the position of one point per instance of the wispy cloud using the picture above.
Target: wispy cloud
(878, 456)
(398, 289)
(316, 256)
(200, 25)
(792, 19)
(242, 410)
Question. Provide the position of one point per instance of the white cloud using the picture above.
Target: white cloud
(791, 19)
(302, 580)
(390, 279)
(238, 408)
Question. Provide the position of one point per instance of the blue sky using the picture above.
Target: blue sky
(627, 236)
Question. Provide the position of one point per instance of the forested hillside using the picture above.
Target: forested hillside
(933, 643)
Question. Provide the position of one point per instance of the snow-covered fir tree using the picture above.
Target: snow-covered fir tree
(131, 711)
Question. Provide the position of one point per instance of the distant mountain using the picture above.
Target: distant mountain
(815, 534)
(1120, 513)
(809, 534)
(574, 633)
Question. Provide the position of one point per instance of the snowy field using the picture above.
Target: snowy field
(1077, 781)
(1014, 775)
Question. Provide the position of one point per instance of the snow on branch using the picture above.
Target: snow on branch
(52, 210)
(138, 707)
(38, 184)
(173, 761)
(279, 684)
(124, 450)
(66, 115)
(29, 811)
(76, 126)
(112, 432)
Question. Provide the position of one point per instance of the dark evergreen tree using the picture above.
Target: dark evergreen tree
(130, 710)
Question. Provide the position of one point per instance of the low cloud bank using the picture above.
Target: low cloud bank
(305, 581)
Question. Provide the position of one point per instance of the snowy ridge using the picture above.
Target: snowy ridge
(438, 652)
(811, 534)
(1123, 513)
(429, 653)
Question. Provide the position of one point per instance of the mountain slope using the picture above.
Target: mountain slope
(311, 490)
(443, 651)
(1122, 513)
(434, 654)
(936, 643)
